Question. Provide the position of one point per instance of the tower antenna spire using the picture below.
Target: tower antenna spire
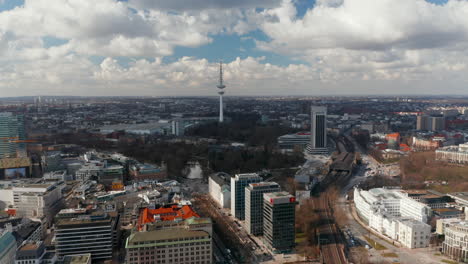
(221, 87)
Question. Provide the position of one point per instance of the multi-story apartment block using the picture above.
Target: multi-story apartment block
(456, 245)
(392, 213)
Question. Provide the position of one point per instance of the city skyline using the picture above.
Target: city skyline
(278, 47)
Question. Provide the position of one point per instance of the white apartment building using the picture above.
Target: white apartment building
(385, 200)
(413, 233)
(219, 189)
(37, 200)
(456, 245)
(454, 154)
(392, 213)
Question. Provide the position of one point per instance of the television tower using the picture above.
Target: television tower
(221, 87)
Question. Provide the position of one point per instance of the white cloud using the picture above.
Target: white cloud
(202, 4)
(350, 46)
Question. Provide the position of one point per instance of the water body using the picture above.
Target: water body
(194, 170)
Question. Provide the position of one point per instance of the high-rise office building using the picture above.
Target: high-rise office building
(318, 142)
(12, 130)
(279, 215)
(79, 232)
(254, 205)
(238, 184)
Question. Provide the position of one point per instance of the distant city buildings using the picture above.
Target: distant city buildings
(453, 154)
(318, 143)
(238, 184)
(295, 141)
(141, 172)
(279, 214)
(12, 132)
(430, 123)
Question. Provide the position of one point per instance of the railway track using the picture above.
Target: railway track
(329, 236)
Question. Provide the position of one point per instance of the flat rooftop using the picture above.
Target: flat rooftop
(165, 234)
(77, 259)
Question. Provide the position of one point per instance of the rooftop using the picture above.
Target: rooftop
(166, 213)
(165, 234)
(77, 259)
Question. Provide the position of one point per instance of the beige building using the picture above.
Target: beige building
(38, 200)
(456, 245)
(186, 242)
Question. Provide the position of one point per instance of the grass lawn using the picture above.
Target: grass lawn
(449, 261)
(374, 244)
(300, 237)
(390, 255)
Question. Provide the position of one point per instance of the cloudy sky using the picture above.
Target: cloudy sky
(270, 47)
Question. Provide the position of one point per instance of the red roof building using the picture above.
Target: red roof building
(166, 213)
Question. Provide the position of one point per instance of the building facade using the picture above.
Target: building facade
(167, 242)
(453, 154)
(279, 215)
(7, 247)
(31, 253)
(254, 205)
(456, 245)
(238, 184)
(11, 130)
(219, 189)
(392, 213)
(318, 143)
(430, 123)
(81, 232)
(37, 200)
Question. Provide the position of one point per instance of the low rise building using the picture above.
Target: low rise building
(294, 141)
(141, 172)
(31, 253)
(219, 189)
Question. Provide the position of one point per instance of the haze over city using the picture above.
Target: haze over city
(270, 47)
